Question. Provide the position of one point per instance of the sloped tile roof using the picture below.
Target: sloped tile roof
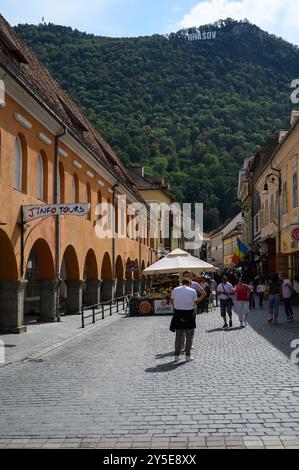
(20, 62)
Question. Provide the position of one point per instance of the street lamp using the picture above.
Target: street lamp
(275, 177)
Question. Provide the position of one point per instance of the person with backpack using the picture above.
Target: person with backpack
(287, 291)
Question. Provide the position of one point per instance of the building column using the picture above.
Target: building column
(12, 295)
(108, 286)
(137, 286)
(149, 282)
(120, 288)
(47, 301)
(129, 286)
(74, 296)
(93, 291)
(143, 284)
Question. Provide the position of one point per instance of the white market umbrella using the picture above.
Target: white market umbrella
(179, 261)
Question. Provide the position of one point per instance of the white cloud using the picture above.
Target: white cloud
(276, 16)
(177, 8)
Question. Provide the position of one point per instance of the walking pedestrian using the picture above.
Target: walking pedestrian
(199, 289)
(274, 298)
(287, 290)
(225, 289)
(183, 322)
(261, 289)
(241, 304)
(251, 297)
(201, 294)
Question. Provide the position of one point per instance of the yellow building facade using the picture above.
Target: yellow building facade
(278, 188)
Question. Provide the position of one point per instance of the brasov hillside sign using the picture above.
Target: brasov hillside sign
(47, 210)
(197, 35)
(201, 36)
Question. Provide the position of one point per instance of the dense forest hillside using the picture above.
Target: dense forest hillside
(191, 110)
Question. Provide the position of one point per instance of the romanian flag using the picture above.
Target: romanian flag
(240, 251)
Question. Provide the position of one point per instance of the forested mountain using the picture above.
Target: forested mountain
(190, 110)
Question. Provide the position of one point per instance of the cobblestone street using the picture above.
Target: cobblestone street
(120, 383)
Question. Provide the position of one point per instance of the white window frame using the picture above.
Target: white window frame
(40, 177)
(295, 189)
(18, 165)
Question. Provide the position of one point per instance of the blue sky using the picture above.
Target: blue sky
(144, 17)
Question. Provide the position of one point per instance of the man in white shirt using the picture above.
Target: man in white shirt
(287, 290)
(224, 290)
(184, 300)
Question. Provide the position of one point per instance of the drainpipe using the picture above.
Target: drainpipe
(113, 234)
(57, 222)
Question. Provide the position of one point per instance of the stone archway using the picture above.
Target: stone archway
(41, 284)
(92, 282)
(12, 290)
(8, 265)
(137, 280)
(129, 277)
(72, 291)
(108, 283)
(119, 273)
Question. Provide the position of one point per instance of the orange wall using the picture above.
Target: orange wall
(75, 231)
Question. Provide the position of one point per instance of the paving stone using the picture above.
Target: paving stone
(129, 392)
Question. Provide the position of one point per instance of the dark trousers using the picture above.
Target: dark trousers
(261, 298)
(288, 307)
(251, 300)
(225, 308)
(179, 341)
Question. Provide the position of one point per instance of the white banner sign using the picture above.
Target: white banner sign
(162, 307)
(47, 210)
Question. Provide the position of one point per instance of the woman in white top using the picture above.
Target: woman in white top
(260, 290)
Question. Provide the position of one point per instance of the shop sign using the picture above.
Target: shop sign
(47, 210)
(295, 234)
(145, 307)
(161, 307)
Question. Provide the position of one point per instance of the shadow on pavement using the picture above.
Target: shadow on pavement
(281, 335)
(225, 330)
(169, 366)
(161, 356)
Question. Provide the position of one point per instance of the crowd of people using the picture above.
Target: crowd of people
(234, 294)
(240, 296)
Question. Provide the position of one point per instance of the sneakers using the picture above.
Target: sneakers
(189, 358)
(176, 358)
(290, 319)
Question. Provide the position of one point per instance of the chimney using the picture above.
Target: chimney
(282, 135)
(294, 117)
(139, 170)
